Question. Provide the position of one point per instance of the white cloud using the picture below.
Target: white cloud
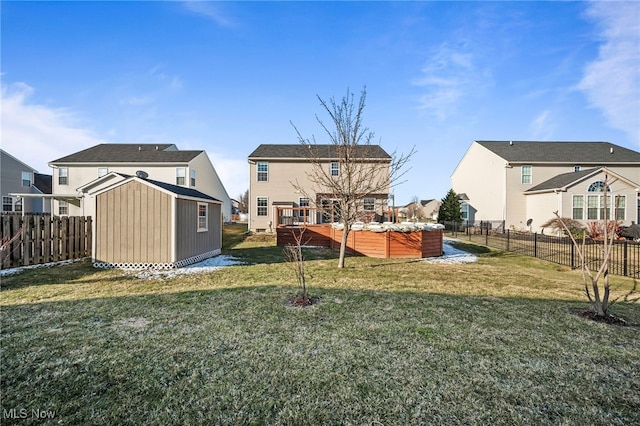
(611, 82)
(37, 134)
(447, 77)
(233, 172)
(210, 10)
(542, 127)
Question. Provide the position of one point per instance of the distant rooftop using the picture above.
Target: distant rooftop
(108, 153)
(597, 153)
(327, 151)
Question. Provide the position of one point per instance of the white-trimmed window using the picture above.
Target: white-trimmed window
(464, 209)
(203, 217)
(192, 177)
(304, 203)
(335, 168)
(26, 178)
(181, 175)
(63, 176)
(578, 207)
(7, 204)
(576, 168)
(18, 205)
(263, 206)
(619, 207)
(369, 204)
(102, 171)
(263, 171)
(63, 208)
(526, 174)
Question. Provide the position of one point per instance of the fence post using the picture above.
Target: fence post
(486, 237)
(508, 241)
(625, 260)
(535, 244)
(573, 255)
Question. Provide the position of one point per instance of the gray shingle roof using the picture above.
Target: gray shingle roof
(108, 153)
(181, 190)
(562, 180)
(597, 153)
(328, 151)
(43, 182)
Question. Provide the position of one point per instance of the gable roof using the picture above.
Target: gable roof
(178, 191)
(300, 151)
(43, 183)
(181, 190)
(108, 153)
(5, 154)
(597, 153)
(563, 181)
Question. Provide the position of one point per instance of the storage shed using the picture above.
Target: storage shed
(145, 224)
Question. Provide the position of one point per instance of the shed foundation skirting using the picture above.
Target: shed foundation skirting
(158, 266)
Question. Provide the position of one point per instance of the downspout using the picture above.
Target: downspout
(507, 166)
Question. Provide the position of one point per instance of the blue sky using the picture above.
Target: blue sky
(228, 76)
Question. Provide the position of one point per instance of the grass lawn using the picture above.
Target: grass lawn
(390, 342)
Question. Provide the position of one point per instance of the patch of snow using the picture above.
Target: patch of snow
(207, 265)
(452, 255)
(13, 271)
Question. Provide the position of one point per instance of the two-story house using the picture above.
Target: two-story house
(522, 184)
(22, 186)
(275, 168)
(80, 173)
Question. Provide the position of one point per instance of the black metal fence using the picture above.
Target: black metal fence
(624, 260)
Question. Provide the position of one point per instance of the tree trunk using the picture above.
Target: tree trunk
(343, 245)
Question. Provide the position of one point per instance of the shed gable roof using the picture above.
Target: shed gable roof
(174, 190)
(181, 190)
(108, 153)
(598, 153)
(325, 151)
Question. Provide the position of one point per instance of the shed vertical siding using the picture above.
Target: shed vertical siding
(126, 218)
(190, 242)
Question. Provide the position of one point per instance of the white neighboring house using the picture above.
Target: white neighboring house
(522, 183)
(76, 177)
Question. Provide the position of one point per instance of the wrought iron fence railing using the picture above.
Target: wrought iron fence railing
(624, 260)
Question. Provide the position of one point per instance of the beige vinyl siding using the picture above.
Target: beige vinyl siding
(190, 242)
(279, 187)
(481, 176)
(127, 218)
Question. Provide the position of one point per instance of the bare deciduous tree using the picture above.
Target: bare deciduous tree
(414, 209)
(598, 299)
(293, 255)
(361, 174)
(243, 202)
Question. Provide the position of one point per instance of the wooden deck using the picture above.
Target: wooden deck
(386, 244)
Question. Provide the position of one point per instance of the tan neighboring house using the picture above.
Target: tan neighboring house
(22, 187)
(76, 175)
(422, 210)
(521, 184)
(274, 200)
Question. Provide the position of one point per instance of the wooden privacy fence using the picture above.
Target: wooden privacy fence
(35, 239)
(624, 260)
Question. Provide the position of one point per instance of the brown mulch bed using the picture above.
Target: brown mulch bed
(609, 319)
(302, 301)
